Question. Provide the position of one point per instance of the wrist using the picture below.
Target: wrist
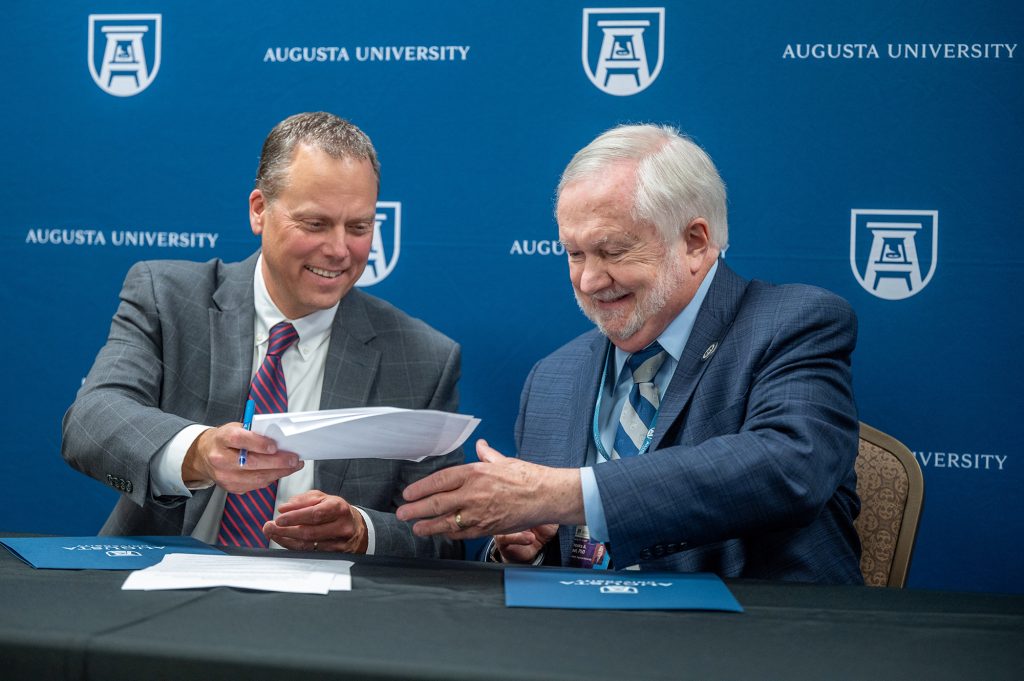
(360, 541)
(192, 472)
(564, 496)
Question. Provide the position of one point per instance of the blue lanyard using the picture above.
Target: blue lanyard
(597, 412)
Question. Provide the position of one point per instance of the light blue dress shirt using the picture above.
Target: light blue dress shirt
(614, 396)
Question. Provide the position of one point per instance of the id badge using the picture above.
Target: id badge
(587, 553)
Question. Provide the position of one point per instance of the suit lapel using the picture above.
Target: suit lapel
(587, 384)
(349, 371)
(231, 319)
(579, 443)
(709, 330)
(231, 342)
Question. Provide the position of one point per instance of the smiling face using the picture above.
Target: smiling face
(627, 280)
(317, 232)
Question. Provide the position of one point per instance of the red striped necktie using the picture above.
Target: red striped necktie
(245, 514)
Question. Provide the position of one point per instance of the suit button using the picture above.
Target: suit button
(110, 479)
(659, 550)
(646, 554)
(128, 486)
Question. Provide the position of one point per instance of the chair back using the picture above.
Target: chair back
(891, 490)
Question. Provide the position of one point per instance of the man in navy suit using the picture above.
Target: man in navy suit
(707, 424)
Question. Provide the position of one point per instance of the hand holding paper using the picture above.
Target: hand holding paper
(214, 456)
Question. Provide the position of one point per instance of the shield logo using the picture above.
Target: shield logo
(124, 52)
(623, 48)
(386, 246)
(893, 253)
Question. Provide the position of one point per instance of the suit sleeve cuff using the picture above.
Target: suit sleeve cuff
(597, 525)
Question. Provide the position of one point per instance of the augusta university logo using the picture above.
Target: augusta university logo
(124, 52)
(387, 241)
(893, 252)
(623, 48)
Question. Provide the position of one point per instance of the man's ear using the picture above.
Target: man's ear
(696, 241)
(257, 211)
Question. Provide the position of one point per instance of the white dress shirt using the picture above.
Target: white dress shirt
(303, 365)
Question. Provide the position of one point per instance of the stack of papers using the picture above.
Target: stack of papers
(367, 433)
(289, 575)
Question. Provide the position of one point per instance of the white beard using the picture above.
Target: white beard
(621, 325)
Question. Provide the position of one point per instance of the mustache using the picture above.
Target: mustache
(608, 295)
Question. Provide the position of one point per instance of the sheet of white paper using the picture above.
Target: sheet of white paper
(367, 433)
(305, 416)
(290, 575)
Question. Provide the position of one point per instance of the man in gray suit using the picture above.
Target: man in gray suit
(707, 424)
(157, 416)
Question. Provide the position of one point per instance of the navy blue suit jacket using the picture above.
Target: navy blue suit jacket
(750, 472)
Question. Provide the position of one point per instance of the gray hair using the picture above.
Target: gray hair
(676, 181)
(324, 131)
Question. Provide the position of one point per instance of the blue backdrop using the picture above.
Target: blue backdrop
(872, 148)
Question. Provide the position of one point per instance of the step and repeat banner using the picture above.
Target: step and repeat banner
(871, 148)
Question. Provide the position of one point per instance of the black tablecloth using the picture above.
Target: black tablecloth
(447, 620)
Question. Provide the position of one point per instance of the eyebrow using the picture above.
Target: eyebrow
(626, 239)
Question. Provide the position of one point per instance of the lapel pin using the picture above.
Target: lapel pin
(710, 351)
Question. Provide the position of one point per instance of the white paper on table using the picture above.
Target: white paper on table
(367, 433)
(200, 571)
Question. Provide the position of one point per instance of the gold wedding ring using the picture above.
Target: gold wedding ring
(315, 545)
(458, 520)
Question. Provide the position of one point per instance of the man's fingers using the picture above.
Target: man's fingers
(487, 453)
(444, 480)
(327, 510)
(234, 436)
(545, 533)
(446, 525)
(283, 460)
(294, 538)
(519, 554)
(329, 525)
(516, 539)
(240, 481)
(291, 544)
(307, 498)
(434, 506)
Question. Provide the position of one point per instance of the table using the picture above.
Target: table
(447, 620)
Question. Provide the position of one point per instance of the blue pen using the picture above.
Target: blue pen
(250, 409)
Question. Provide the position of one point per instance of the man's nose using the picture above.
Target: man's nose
(336, 242)
(594, 276)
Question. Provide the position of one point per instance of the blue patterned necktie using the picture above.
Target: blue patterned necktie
(640, 409)
(245, 514)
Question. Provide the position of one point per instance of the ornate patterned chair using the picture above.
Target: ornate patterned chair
(891, 489)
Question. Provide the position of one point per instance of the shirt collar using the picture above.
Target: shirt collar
(674, 337)
(313, 329)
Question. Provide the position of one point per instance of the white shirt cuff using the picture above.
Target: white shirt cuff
(597, 525)
(165, 466)
(371, 537)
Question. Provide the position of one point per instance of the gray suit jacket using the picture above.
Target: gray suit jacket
(180, 352)
(750, 472)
